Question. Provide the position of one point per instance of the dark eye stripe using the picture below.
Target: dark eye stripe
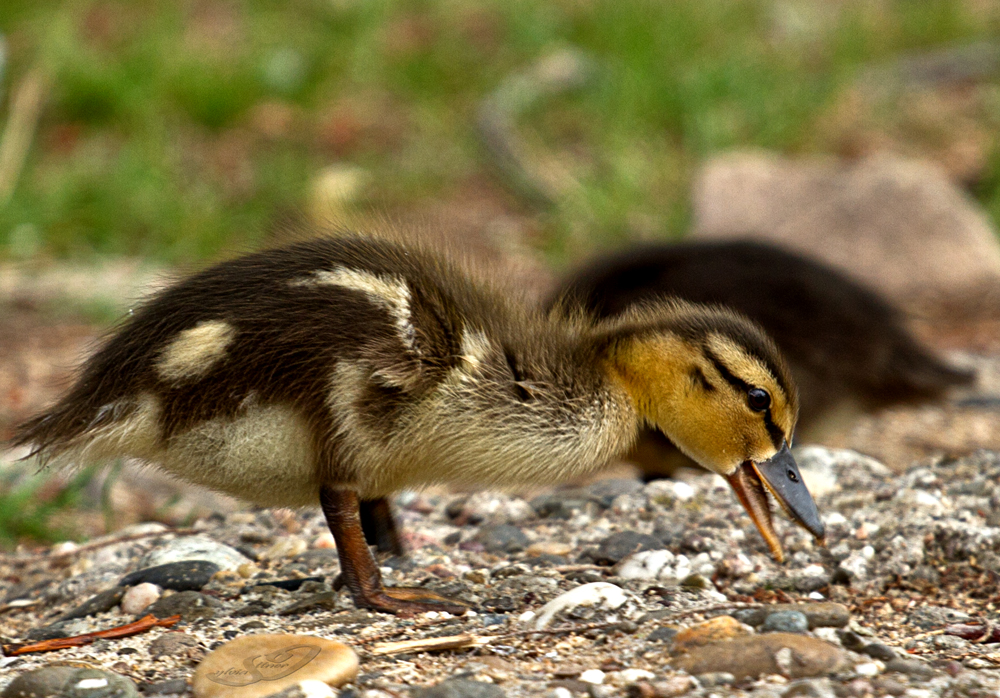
(773, 430)
(725, 372)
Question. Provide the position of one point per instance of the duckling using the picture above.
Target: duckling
(342, 370)
(847, 348)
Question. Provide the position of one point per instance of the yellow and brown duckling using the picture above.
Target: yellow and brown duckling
(847, 348)
(343, 370)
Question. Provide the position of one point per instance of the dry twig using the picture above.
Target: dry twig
(61, 643)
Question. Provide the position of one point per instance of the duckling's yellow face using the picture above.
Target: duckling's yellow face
(717, 402)
(726, 400)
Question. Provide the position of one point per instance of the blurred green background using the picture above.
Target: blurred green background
(188, 130)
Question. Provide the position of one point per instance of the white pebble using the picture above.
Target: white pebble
(137, 598)
(868, 669)
(560, 692)
(834, 518)
(918, 693)
(600, 594)
(683, 491)
(815, 595)
(632, 675)
(868, 552)
(526, 617)
(312, 688)
(64, 548)
(594, 676)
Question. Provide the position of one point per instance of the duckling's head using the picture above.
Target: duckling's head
(717, 387)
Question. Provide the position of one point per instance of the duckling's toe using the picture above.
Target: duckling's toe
(408, 601)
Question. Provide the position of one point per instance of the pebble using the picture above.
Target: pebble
(171, 643)
(139, 597)
(606, 491)
(548, 548)
(460, 688)
(324, 599)
(618, 546)
(306, 689)
(718, 629)
(260, 665)
(503, 538)
(795, 656)
(190, 605)
(285, 548)
(162, 688)
(66, 628)
(716, 678)
(70, 682)
(868, 669)
(913, 668)
(785, 622)
(186, 575)
(665, 634)
(672, 687)
(810, 688)
(594, 676)
(598, 594)
(99, 603)
(190, 548)
(825, 614)
(877, 650)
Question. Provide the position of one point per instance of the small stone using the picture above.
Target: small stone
(605, 491)
(936, 617)
(161, 688)
(460, 688)
(99, 603)
(879, 651)
(285, 548)
(324, 599)
(70, 682)
(596, 594)
(672, 687)
(260, 665)
(820, 615)
(716, 678)
(186, 575)
(172, 643)
(549, 548)
(190, 605)
(796, 656)
(718, 629)
(195, 548)
(47, 681)
(594, 676)
(666, 634)
(620, 545)
(309, 688)
(139, 597)
(867, 669)
(785, 622)
(810, 688)
(913, 668)
(503, 538)
(53, 631)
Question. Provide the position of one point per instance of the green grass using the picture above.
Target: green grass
(149, 143)
(29, 506)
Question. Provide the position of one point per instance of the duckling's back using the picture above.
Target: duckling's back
(243, 348)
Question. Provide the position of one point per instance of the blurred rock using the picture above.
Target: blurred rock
(897, 225)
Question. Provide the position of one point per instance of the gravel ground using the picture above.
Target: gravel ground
(910, 557)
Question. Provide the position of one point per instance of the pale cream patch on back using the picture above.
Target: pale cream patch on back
(195, 350)
(391, 292)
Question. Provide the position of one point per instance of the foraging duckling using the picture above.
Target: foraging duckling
(847, 348)
(343, 370)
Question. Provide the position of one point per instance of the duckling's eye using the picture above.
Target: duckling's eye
(758, 399)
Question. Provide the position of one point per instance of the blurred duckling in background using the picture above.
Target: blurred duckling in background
(344, 370)
(848, 349)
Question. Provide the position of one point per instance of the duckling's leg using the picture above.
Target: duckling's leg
(379, 526)
(357, 566)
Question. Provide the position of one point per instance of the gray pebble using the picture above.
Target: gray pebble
(172, 687)
(186, 575)
(99, 603)
(618, 546)
(195, 548)
(913, 668)
(503, 538)
(53, 631)
(877, 650)
(70, 682)
(662, 635)
(460, 688)
(326, 599)
(190, 605)
(170, 644)
(785, 622)
(810, 688)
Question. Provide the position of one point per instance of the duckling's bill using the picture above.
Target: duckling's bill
(780, 476)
